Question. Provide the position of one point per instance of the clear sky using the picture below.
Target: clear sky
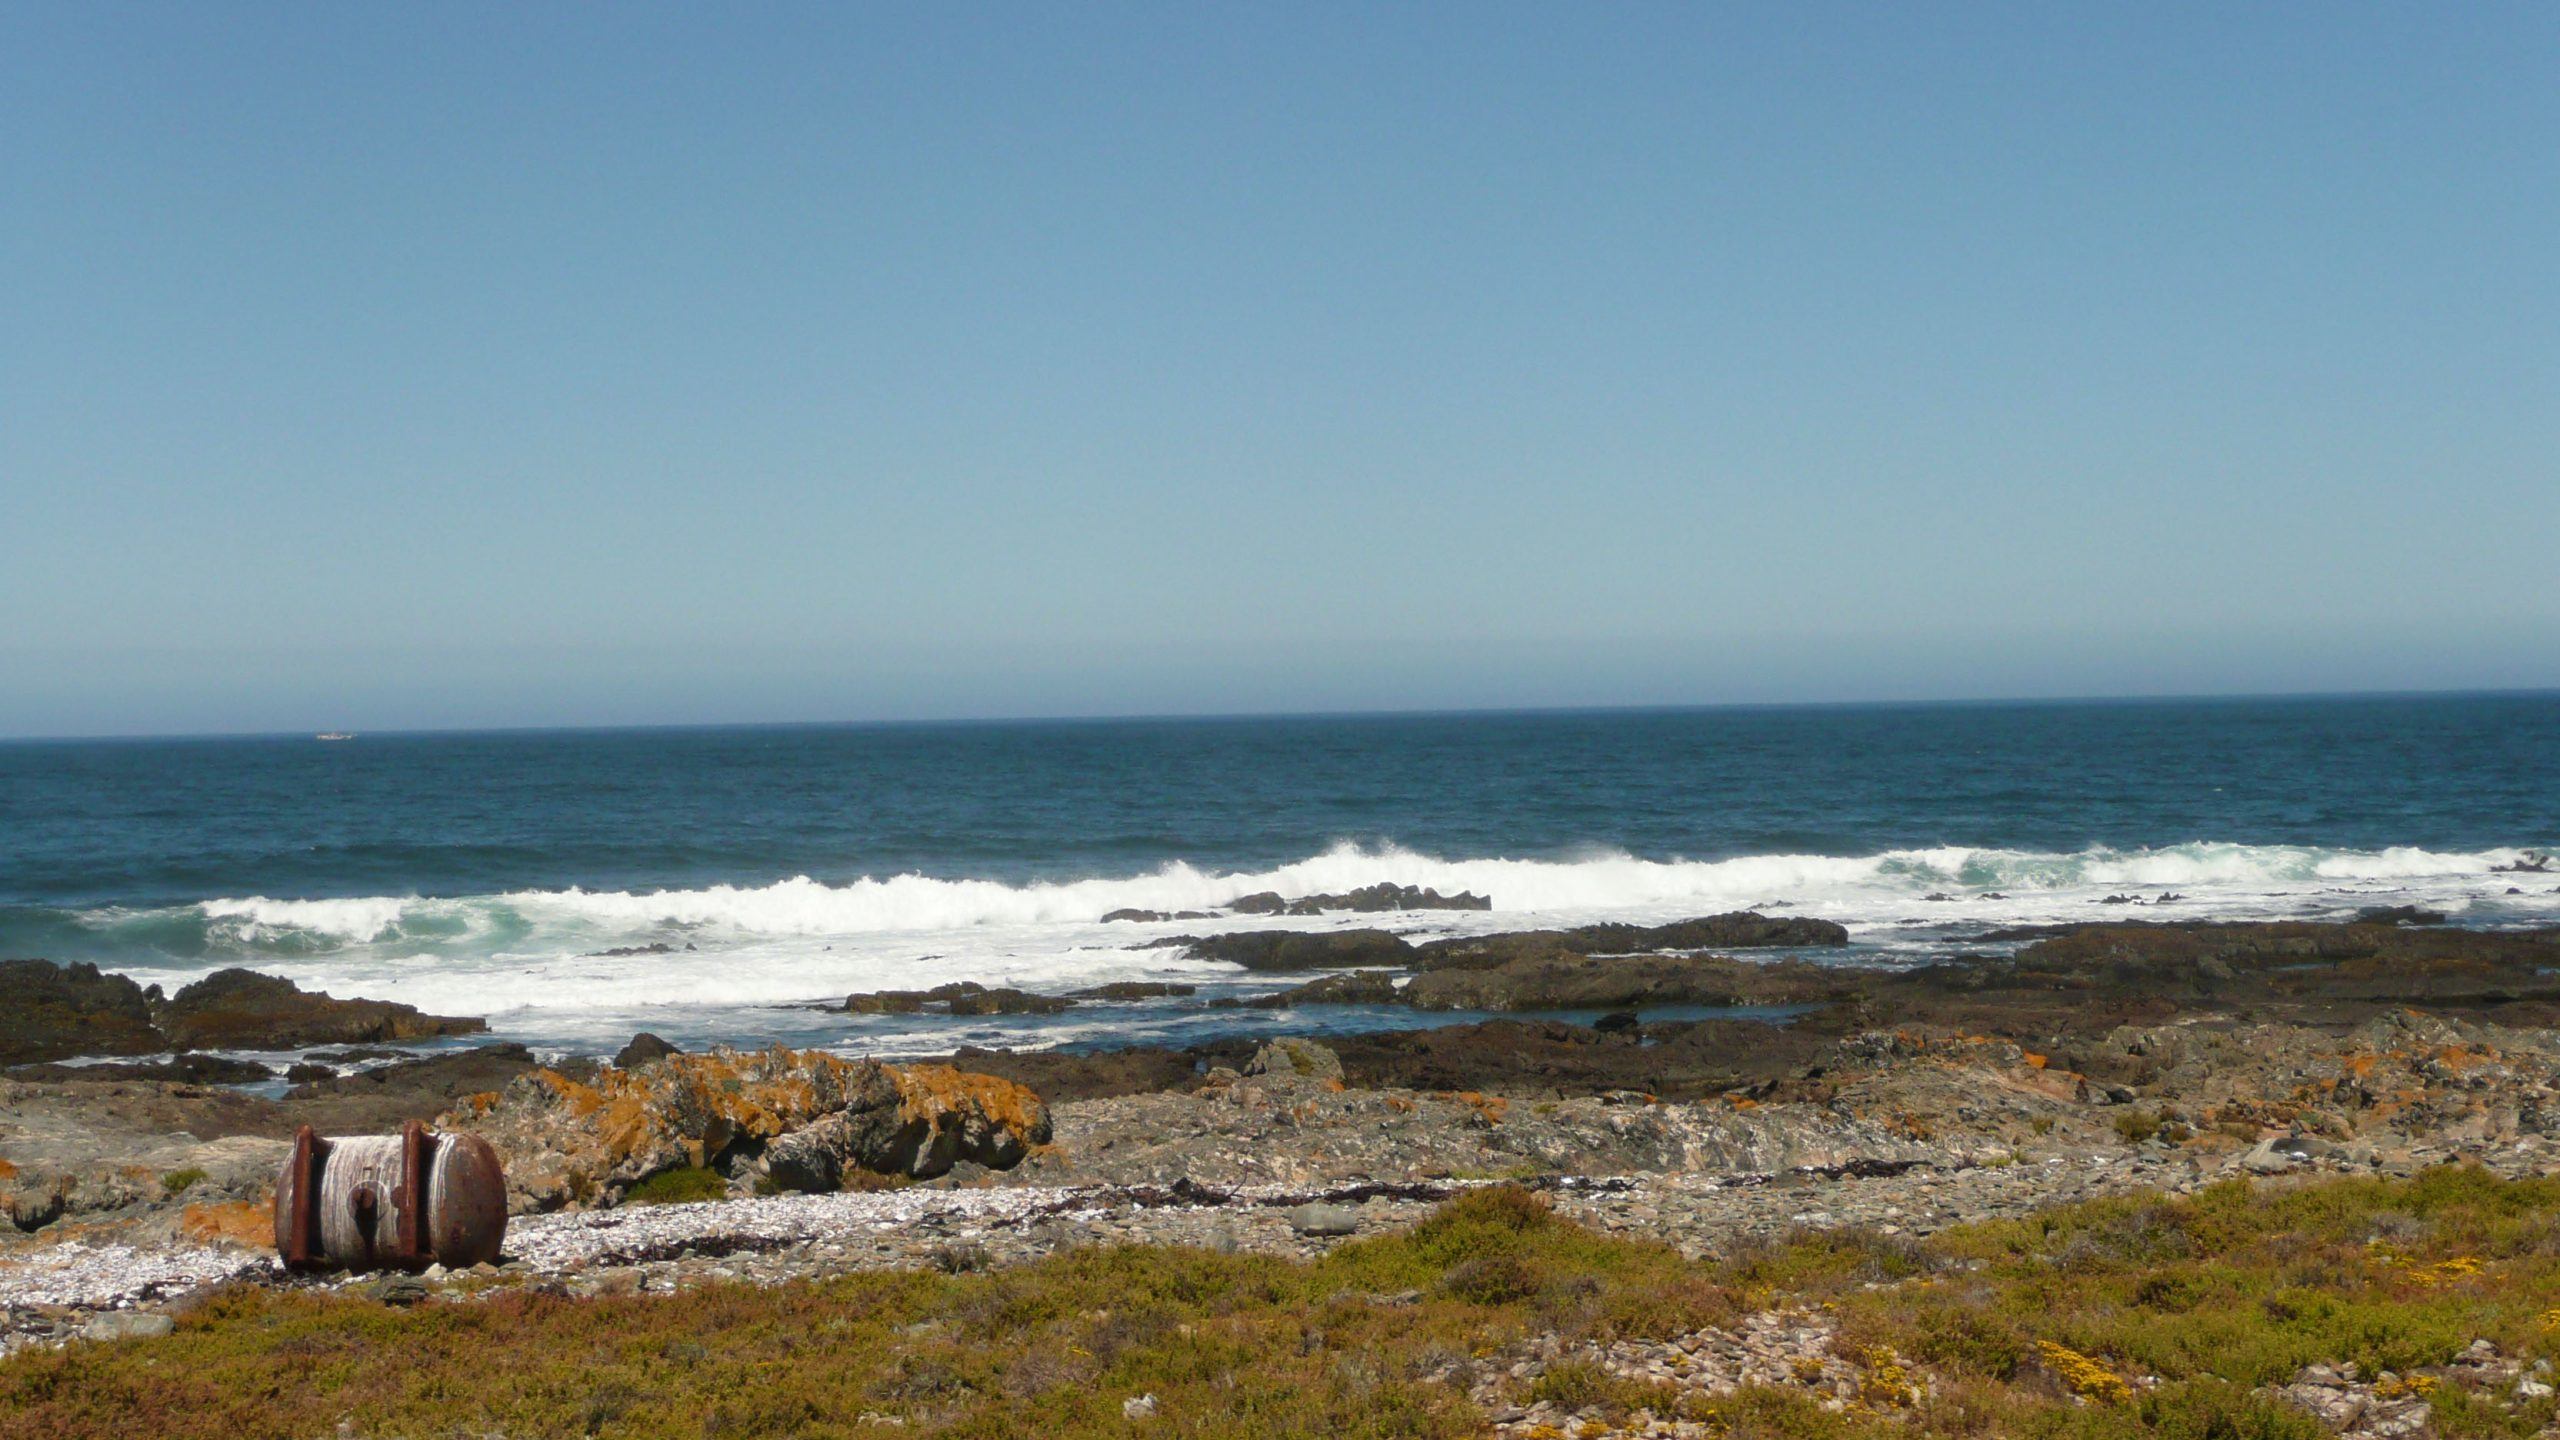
(435, 365)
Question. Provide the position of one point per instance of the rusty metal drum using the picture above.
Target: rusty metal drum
(390, 1202)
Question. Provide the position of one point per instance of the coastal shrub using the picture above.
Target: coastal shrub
(176, 1182)
(679, 1187)
(2193, 1305)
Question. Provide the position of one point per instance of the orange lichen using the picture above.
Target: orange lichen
(240, 1222)
(929, 1090)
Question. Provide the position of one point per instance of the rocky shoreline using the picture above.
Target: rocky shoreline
(2093, 1060)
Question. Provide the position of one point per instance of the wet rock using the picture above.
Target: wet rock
(1153, 916)
(1351, 987)
(1368, 899)
(1564, 980)
(644, 1047)
(1287, 950)
(242, 1009)
(189, 1069)
(960, 997)
(2399, 915)
(59, 1011)
(1007, 1001)
(1136, 990)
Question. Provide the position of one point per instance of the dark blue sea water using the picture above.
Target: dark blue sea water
(481, 872)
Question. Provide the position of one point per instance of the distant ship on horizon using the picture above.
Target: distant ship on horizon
(334, 735)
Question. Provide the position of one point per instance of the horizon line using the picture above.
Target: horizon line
(1380, 713)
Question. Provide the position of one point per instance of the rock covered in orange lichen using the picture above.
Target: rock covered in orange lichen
(805, 1117)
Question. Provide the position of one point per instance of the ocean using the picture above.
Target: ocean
(786, 866)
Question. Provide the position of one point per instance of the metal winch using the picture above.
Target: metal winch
(390, 1202)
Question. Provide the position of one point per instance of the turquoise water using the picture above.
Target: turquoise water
(482, 872)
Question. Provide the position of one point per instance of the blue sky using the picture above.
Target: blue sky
(447, 365)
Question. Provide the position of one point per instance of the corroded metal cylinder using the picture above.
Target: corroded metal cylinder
(390, 1202)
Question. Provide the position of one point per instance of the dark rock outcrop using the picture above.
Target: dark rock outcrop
(181, 1070)
(242, 1009)
(54, 1012)
(1288, 950)
(644, 1047)
(1563, 980)
(960, 997)
(1368, 899)
(1736, 930)
(1136, 990)
(376, 1101)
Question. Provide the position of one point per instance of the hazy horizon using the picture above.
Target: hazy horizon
(1988, 702)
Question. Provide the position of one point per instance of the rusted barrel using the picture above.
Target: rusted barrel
(390, 1202)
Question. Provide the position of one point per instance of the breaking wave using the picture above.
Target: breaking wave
(1865, 889)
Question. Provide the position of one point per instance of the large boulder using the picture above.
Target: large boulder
(568, 1142)
(242, 1009)
(1287, 950)
(55, 1012)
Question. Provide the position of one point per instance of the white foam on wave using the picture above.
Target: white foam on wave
(534, 952)
(361, 920)
(1602, 881)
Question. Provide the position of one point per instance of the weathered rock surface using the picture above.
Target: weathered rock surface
(242, 1009)
(55, 1012)
(1293, 1058)
(568, 1142)
(930, 1118)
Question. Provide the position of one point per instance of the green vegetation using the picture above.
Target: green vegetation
(678, 1187)
(177, 1181)
(2127, 1317)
